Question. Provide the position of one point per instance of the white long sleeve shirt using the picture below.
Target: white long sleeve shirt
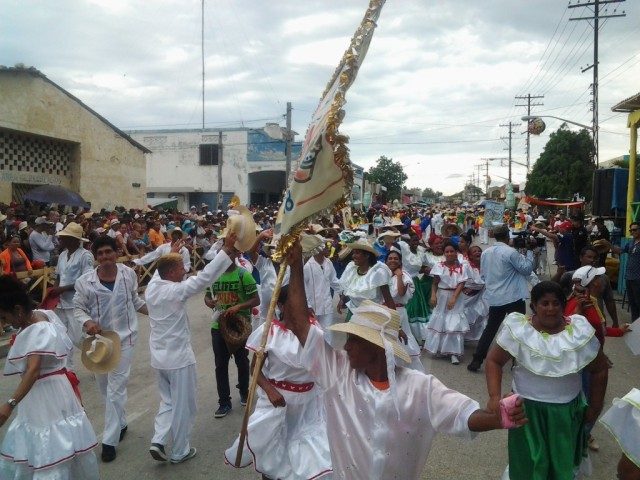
(164, 249)
(170, 338)
(69, 269)
(41, 245)
(111, 309)
(318, 282)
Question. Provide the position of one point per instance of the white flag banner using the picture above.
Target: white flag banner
(323, 179)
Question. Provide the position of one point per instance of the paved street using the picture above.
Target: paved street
(450, 458)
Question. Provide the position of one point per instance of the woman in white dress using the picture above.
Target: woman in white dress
(476, 308)
(448, 324)
(287, 433)
(50, 437)
(402, 290)
(364, 278)
(623, 421)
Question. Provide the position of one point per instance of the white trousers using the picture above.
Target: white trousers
(325, 322)
(113, 387)
(484, 235)
(177, 412)
(73, 330)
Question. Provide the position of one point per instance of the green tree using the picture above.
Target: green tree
(430, 193)
(564, 167)
(390, 174)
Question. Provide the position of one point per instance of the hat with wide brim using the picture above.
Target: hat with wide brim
(370, 313)
(602, 246)
(389, 233)
(312, 244)
(101, 353)
(73, 230)
(450, 229)
(242, 224)
(362, 245)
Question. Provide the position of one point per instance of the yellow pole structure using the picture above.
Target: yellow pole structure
(634, 121)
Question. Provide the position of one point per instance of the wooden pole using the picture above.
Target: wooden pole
(259, 361)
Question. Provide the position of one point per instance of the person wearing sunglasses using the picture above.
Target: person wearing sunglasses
(632, 273)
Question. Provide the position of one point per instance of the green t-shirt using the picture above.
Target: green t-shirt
(231, 289)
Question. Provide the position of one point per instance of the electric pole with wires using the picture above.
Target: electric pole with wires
(528, 97)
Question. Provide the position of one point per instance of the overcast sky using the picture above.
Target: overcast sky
(438, 80)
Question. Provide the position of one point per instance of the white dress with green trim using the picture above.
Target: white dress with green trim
(623, 421)
(548, 376)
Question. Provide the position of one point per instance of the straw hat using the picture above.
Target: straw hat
(362, 244)
(101, 353)
(72, 230)
(388, 234)
(371, 319)
(312, 244)
(602, 246)
(243, 225)
(450, 229)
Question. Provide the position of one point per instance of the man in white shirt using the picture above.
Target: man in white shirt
(437, 223)
(166, 248)
(107, 299)
(41, 242)
(319, 279)
(114, 227)
(381, 419)
(170, 343)
(73, 262)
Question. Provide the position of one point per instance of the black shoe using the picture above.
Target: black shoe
(123, 432)
(474, 366)
(108, 453)
(191, 454)
(243, 400)
(222, 411)
(157, 452)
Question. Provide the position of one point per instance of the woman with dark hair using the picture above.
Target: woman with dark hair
(51, 436)
(364, 278)
(464, 243)
(13, 259)
(476, 308)
(550, 352)
(414, 262)
(448, 324)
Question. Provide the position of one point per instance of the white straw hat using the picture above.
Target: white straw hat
(101, 353)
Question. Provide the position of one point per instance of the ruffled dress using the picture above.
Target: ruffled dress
(548, 377)
(290, 442)
(50, 437)
(419, 316)
(447, 328)
(418, 308)
(623, 421)
(412, 347)
(476, 308)
(364, 287)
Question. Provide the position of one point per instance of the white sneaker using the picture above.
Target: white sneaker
(455, 360)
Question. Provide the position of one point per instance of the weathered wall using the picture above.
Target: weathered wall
(105, 164)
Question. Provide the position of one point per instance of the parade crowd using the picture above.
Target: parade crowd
(401, 283)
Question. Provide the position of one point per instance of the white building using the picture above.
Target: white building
(184, 164)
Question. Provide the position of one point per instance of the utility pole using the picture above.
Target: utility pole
(287, 148)
(202, 44)
(528, 97)
(510, 125)
(594, 86)
(219, 170)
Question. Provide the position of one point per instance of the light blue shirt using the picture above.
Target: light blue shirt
(505, 272)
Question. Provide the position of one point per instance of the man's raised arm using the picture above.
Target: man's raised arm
(297, 309)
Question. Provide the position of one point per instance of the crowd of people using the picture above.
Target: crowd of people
(401, 283)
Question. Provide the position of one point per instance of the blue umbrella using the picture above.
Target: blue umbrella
(56, 194)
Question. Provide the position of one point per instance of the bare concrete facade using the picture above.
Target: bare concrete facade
(48, 136)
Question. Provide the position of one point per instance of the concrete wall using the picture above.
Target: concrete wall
(105, 163)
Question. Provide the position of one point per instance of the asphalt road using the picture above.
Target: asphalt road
(450, 458)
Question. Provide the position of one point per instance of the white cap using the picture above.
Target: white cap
(41, 221)
(587, 274)
(115, 221)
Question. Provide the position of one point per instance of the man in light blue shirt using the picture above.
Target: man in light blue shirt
(505, 272)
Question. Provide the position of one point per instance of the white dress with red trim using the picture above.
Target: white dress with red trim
(446, 328)
(412, 347)
(287, 443)
(476, 308)
(50, 437)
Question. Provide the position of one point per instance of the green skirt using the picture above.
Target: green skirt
(552, 445)
(418, 308)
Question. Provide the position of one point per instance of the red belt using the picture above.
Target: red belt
(73, 380)
(290, 386)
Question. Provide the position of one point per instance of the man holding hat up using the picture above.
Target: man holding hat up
(73, 262)
(107, 299)
(381, 419)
